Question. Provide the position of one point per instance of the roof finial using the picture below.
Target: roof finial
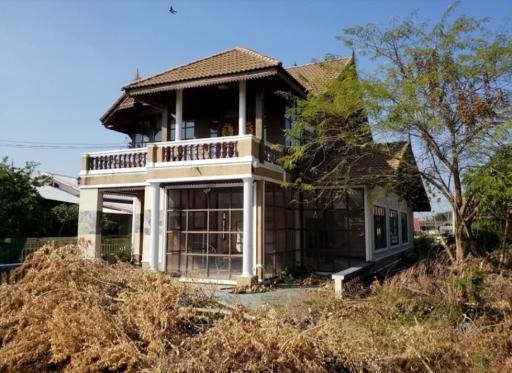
(137, 75)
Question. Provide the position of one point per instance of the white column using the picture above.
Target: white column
(136, 229)
(242, 98)
(179, 113)
(247, 267)
(155, 223)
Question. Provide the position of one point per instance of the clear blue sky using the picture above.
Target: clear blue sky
(62, 63)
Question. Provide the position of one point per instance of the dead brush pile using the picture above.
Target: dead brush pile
(68, 314)
(429, 318)
(80, 315)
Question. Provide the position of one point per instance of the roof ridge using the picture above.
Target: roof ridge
(202, 59)
(317, 63)
(257, 54)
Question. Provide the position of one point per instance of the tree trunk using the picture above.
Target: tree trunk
(459, 239)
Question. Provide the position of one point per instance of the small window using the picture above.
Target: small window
(405, 230)
(379, 225)
(393, 227)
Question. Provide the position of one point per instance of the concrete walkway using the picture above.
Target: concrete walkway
(274, 298)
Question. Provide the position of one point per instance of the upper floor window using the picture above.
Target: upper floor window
(379, 227)
(146, 131)
(405, 228)
(393, 227)
(188, 130)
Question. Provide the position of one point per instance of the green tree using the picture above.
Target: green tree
(492, 187)
(330, 133)
(65, 213)
(446, 88)
(20, 203)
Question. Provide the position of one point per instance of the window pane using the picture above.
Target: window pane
(405, 228)
(393, 227)
(379, 224)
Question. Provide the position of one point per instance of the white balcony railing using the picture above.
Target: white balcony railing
(117, 159)
(163, 153)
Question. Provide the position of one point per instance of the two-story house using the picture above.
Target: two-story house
(206, 184)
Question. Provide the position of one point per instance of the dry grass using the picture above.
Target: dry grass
(74, 315)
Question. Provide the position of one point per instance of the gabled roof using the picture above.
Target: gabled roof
(123, 102)
(394, 159)
(313, 75)
(233, 61)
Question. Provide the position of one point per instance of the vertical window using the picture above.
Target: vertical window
(188, 130)
(393, 227)
(405, 230)
(379, 225)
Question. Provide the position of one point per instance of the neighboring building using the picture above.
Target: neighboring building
(65, 189)
(206, 184)
(434, 228)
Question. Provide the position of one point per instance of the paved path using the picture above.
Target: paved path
(276, 297)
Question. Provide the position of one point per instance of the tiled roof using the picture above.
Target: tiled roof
(236, 60)
(312, 76)
(383, 163)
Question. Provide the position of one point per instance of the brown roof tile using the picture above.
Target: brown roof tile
(312, 76)
(232, 61)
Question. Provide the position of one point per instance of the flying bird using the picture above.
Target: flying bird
(173, 11)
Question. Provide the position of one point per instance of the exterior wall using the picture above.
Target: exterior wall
(89, 227)
(379, 196)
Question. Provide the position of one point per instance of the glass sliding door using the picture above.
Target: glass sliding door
(204, 232)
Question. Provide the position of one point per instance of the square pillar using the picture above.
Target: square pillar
(179, 114)
(248, 239)
(154, 225)
(137, 230)
(89, 223)
(260, 229)
(166, 130)
(242, 98)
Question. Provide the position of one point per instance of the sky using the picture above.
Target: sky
(63, 62)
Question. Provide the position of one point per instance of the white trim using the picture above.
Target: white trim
(117, 171)
(117, 185)
(367, 226)
(204, 185)
(205, 162)
(198, 178)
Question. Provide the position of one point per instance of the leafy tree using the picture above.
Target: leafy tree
(446, 88)
(20, 203)
(329, 135)
(492, 187)
(65, 213)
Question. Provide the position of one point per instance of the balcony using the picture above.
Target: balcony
(204, 152)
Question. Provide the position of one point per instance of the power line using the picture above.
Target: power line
(56, 145)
